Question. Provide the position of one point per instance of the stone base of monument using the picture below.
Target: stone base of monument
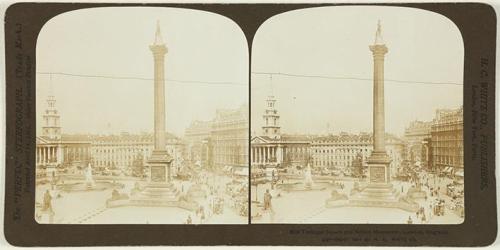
(382, 195)
(379, 192)
(156, 195)
(159, 191)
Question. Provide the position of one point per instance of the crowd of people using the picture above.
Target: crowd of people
(436, 199)
(222, 194)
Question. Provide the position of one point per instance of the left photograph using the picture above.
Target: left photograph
(142, 117)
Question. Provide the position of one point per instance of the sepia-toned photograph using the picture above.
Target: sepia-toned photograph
(142, 117)
(357, 117)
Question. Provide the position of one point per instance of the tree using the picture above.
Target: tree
(138, 165)
(357, 165)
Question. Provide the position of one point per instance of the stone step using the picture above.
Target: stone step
(372, 189)
(162, 193)
(376, 199)
(374, 193)
(153, 202)
(158, 197)
(378, 194)
(384, 203)
(159, 185)
(373, 203)
(159, 194)
(159, 190)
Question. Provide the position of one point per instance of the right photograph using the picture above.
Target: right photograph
(357, 117)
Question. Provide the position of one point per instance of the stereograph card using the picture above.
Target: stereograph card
(250, 124)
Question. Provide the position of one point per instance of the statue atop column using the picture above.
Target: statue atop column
(378, 35)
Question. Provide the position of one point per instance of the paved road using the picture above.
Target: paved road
(309, 207)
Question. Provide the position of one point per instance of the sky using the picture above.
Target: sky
(333, 41)
(113, 41)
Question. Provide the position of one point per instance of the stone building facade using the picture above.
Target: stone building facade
(284, 151)
(339, 151)
(447, 140)
(66, 151)
(416, 136)
(63, 151)
(197, 140)
(229, 138)
(121, 150)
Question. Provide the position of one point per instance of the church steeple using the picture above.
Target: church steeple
(50, 124)
(271, 117)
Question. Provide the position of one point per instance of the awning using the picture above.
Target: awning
(448, 169)
(241, 172)
(460, 173)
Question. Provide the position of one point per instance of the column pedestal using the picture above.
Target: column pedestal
(159, 191)
(159, 186)
(379, 192)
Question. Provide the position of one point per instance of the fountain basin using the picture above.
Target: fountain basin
(187, 205)
(301, 186)
(82, 186)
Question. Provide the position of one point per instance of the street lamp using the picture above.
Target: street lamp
(256, 179)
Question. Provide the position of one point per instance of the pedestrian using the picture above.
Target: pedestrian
(410, 221)
(267, 200)
(189, 220)
(210, 208)
(47, 201)
(202, 216)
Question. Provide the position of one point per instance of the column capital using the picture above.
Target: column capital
(158, 50)
(378, 50)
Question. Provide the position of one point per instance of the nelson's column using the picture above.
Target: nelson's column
(379, 192)
(378, 162)
(159, 163)
(159, 189)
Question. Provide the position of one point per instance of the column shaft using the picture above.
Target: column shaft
(159, 99)
(378, 98)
